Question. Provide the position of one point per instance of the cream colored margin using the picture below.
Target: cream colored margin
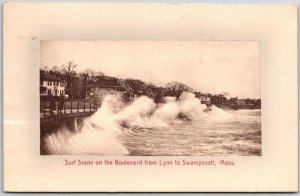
(275, 26)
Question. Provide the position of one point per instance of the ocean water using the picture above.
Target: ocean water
(239, 134)
(181, 126)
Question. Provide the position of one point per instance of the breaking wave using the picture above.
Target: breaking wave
(101, 134)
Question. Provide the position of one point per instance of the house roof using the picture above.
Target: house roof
(105, 82)
(48, 77)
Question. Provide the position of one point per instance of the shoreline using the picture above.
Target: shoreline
(236, 107)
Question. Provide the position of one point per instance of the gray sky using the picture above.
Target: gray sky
(206, 66)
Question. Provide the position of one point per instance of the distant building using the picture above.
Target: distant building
(205, 99)
(232, 101)
(98, 90)
(241, 102)
(52, 86)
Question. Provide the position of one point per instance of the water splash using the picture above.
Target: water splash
(101, 133)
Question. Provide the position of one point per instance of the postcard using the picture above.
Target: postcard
(102, 97)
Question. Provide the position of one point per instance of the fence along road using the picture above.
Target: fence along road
(55, 111)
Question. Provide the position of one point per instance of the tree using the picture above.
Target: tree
(98, 75)
(44, 68)
(56, 69)
(78, 88)
(69, 71)
(175, 89)
(136, 85)
(87, 76)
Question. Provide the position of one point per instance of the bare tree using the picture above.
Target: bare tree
(45, 68)
(87, 75)
(69, 71)
(176, 88)
(56, 69)
(98, 75)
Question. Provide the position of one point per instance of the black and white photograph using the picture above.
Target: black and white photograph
(150, 98)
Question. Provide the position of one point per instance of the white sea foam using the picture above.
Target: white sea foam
(101, 133)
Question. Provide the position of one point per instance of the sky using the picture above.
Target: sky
(206, 66)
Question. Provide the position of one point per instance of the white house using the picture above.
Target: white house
(51, 85)
(205, 99)
(241, 101)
